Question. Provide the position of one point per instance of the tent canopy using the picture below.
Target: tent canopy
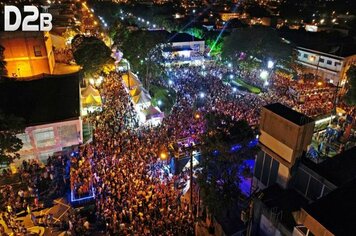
(131, 80)
(137, 91)
(91, 101)
(151, 110)
(142, 98)
(90, 91)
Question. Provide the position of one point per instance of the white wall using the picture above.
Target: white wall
(40, 141)
(328, 67)
(195, 45)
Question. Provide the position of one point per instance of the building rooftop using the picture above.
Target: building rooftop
(337, 210)
(322, 41)
(175, 37)
(338, 170)
(43, 99)
(289, 114)
(284, 201)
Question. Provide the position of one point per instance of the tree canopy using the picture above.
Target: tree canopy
(219, 177)
(10, 144)
(91, 53)
(142, 49)
(350, 97)
(256, 42)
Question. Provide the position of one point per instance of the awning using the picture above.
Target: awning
(90, 91)
(142, 98)
(131, 80)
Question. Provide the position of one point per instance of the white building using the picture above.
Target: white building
(330, 67)
(184, 48)
(50, 107)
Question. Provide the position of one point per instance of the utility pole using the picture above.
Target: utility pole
(191, 180)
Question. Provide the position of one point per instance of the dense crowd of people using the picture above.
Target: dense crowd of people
(132, 195)
(38, 183)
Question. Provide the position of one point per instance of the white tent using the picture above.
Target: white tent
(130, 80)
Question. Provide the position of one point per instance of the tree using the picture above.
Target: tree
(118, 33)
(256, 43)
(143, 50)
(350, 96)
(219, 178)
(91, 53)
(10, 125)
(3, 70)
(196, 32)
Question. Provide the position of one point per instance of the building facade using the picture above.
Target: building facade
(28, 53)
(41, 141)
(329, 67)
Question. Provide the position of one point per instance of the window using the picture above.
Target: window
(37, 50)
(337, 64)
(321, 60)
(44, 137)
(329, 62)
(305, 55)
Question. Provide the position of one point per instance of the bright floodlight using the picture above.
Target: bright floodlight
(154, 26)
(201, 95)
(264, 74)
(266, 83)
(231, 76)
(270, 64)
(229, 65)
(234, 89)
(170, 82)
(159, 102)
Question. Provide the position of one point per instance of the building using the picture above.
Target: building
(280, 151)
(328, 66)
(184, 48)
(297, 196)
(28, 53)
(50, 106)
(226, 16)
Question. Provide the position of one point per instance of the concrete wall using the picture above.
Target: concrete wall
(284, 137)
(40, 141)
(20, 54)
(313, 225)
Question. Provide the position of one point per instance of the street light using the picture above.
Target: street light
(229, 65)
(234, 89)
(270, 64)
(163, 156)
(202, 95)
(159, 102)
(264, 74)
